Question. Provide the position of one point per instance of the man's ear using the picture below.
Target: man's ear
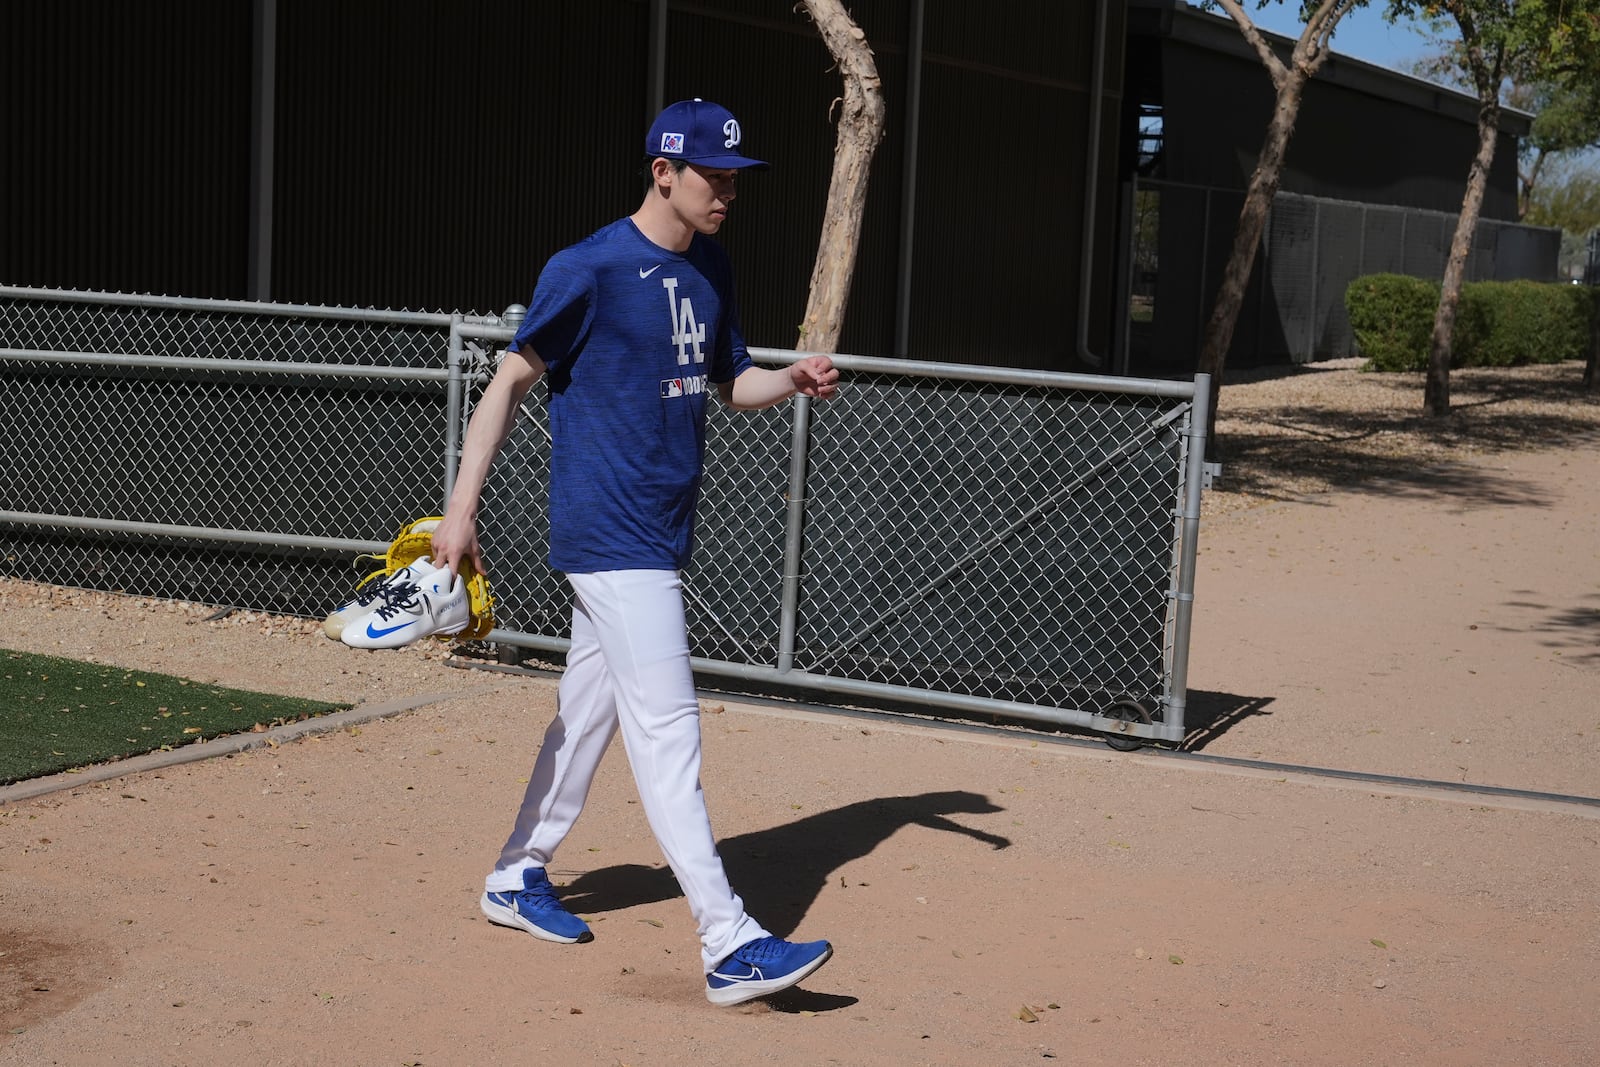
(661, 173)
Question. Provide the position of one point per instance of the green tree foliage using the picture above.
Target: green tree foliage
(1570, 200)
(1568, 197)
(1566, 119)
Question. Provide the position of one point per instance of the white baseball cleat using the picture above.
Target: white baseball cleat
(433, 603)
(372, 595)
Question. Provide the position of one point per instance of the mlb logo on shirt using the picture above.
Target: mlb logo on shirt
(671, 142)
(671, 387)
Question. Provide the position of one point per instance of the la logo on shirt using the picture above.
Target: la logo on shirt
(686, 330)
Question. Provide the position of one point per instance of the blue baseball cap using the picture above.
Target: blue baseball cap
(700, 132)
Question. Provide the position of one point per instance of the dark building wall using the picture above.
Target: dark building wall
(1001, 185)
(1348, 144)
(432, 154)
(1363, 137)
(124, 145)
(1360, 147)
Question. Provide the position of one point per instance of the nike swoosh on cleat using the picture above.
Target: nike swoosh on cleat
(646, 273)
(385, 633)
(754, 974)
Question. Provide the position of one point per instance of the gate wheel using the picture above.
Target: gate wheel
(1127, 709)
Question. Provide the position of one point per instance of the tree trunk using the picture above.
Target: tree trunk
(1526, 184)
(1436, 393)
(1247, 237)
(860, 130)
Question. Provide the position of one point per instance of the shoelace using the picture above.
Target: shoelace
(543, 895)
(380, 589)
(396, 598)
(761, 950)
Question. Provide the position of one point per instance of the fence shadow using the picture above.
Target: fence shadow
(781, 870)
(1207, 716)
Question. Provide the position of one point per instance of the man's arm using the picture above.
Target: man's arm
(456, 538)
(761, 387)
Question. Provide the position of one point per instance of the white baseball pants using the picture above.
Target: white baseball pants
(629, 666)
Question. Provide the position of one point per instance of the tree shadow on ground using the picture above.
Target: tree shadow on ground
(781, 870)
(1207, 716)
(1573, 632)
(1258, 464)
(1576, 628)
(1396, 449)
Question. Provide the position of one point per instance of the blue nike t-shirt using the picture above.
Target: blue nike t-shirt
(633, 337)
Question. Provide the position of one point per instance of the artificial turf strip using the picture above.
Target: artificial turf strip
(57, 714)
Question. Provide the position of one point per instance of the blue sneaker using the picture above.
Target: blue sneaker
(763, 966)
(536, 910)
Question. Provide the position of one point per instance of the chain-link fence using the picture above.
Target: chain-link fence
(998, 543)
(144, 433)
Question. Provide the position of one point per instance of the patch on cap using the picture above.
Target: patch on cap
(698, 131)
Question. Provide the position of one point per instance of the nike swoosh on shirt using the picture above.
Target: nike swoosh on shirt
(646, 273)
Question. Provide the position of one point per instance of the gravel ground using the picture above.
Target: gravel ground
(1283, 433)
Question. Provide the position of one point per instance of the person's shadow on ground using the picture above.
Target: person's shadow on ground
(780, 871)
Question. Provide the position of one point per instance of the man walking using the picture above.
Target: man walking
(631, 328)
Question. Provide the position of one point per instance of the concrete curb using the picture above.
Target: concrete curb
(1075, 747)
(229, 745)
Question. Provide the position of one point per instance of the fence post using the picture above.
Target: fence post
(794, 534)
(1315, 272)
(1591, 370)
(452, 409)
(1188, 554)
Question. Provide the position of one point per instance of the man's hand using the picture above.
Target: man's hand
(762, 387)
(456, 540)
(815, 376)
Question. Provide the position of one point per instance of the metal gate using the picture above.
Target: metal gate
(950, 539)
(989, 542)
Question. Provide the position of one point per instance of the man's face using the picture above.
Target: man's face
(701, 195)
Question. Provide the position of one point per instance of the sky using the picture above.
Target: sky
(1362, 34)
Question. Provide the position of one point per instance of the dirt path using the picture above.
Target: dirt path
(315, 903)
(1446, 626)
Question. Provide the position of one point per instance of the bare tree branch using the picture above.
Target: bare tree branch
(861, 115)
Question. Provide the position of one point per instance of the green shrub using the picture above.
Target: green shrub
(1392, 317)
(1511, 324)
(1498, 324)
